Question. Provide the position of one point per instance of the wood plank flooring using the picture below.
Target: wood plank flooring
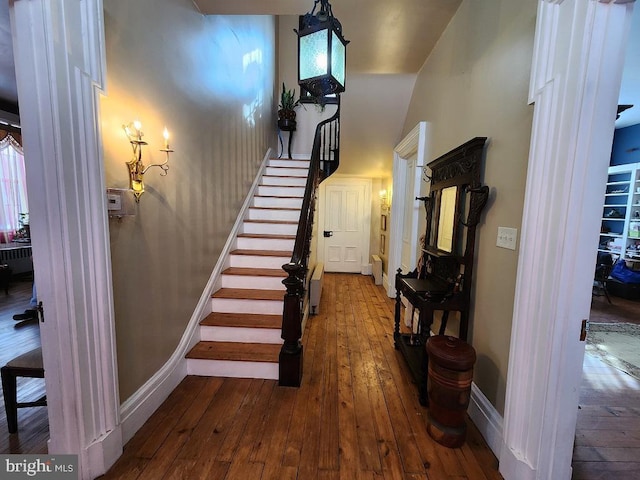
(607, 443)
(379, 432)
(356, 415)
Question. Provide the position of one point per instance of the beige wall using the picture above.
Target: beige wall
(475, 83)
(210, 80)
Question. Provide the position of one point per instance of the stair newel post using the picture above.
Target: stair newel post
(291, 353)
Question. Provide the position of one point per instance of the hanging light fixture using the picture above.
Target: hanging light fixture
(321, 52)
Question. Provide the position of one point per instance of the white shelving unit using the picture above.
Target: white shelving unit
(620, 230)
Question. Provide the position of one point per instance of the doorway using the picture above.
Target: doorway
(575, 95)
(345, 224)
(605, 442)
(408, 161)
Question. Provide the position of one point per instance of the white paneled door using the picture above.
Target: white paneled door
(344, 227)
(409, 218)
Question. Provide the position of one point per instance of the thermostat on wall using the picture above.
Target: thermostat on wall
(119, 202)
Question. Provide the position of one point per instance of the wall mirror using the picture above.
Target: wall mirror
(446, 219)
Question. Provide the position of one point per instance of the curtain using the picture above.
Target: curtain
(13, 188)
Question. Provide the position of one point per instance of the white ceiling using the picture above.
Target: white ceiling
(8, 89)
(387, 37)
(630, 87)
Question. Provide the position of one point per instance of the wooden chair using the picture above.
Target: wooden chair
(5, 278)
(26, 365)
(604, 266)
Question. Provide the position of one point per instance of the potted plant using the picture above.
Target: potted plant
(286, 112)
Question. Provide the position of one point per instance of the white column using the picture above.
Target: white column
(577, 66)
(60, 63)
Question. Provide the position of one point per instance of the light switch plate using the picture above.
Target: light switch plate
(507, 237)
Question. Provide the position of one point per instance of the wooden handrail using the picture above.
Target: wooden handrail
(325, 158)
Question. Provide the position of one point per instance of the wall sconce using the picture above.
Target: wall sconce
(384, 200)
(137, 169)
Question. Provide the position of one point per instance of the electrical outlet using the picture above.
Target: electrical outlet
(507, 237)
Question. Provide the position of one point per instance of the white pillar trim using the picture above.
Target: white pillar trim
(576, 72)
(60, 67)
(414, 143)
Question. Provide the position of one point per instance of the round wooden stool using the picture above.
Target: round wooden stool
(449, 388)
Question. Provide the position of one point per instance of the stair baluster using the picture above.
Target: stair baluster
(324, 161)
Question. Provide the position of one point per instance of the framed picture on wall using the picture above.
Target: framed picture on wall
(383, 223)
(382, 244)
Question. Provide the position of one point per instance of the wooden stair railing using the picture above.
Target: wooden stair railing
(324, 161)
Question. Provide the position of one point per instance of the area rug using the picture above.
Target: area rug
(617, 344)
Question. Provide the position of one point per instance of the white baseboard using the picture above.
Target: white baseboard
(138, 408)
(385, 284)
(487, 419)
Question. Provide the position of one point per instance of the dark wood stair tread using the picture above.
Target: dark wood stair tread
(276, 208)
(263, 253)
(278, 196)
(282, 186)
(267, 235)
(281, 176)
(242, 352)
(249, 294)
(246, 320)
(276, 222)
(255, 272)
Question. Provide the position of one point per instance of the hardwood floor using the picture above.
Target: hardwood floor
(356, 415)
(607, 444)
(33, 423)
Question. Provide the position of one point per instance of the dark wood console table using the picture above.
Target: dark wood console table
(285, 125)
(443, 279)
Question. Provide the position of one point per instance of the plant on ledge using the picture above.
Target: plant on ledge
(286, 112)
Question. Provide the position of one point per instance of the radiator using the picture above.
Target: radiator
(18, 258)
(315, 288)
(377, 269)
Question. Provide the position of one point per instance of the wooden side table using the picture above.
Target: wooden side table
(285, 125)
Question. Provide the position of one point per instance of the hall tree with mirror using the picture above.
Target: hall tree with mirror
(443, 279)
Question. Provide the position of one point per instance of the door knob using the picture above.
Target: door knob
(328, 233)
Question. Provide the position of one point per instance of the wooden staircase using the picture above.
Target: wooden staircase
(241, 335)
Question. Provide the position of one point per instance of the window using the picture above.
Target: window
(13, 188)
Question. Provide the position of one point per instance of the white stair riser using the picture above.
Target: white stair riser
(242, 335)
(276, 191)
(253, 282)
(225, 368)
(289, 172)
(274, 214)
(277, 202)
(257, 261)
(235, 305)
(284, 181)
(252, 243)
(270, 228)
(283, 162)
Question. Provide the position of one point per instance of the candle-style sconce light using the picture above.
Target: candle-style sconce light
(137, 169)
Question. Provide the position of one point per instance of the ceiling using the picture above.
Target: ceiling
(8, 88)
(386, 38)
(630, 87)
